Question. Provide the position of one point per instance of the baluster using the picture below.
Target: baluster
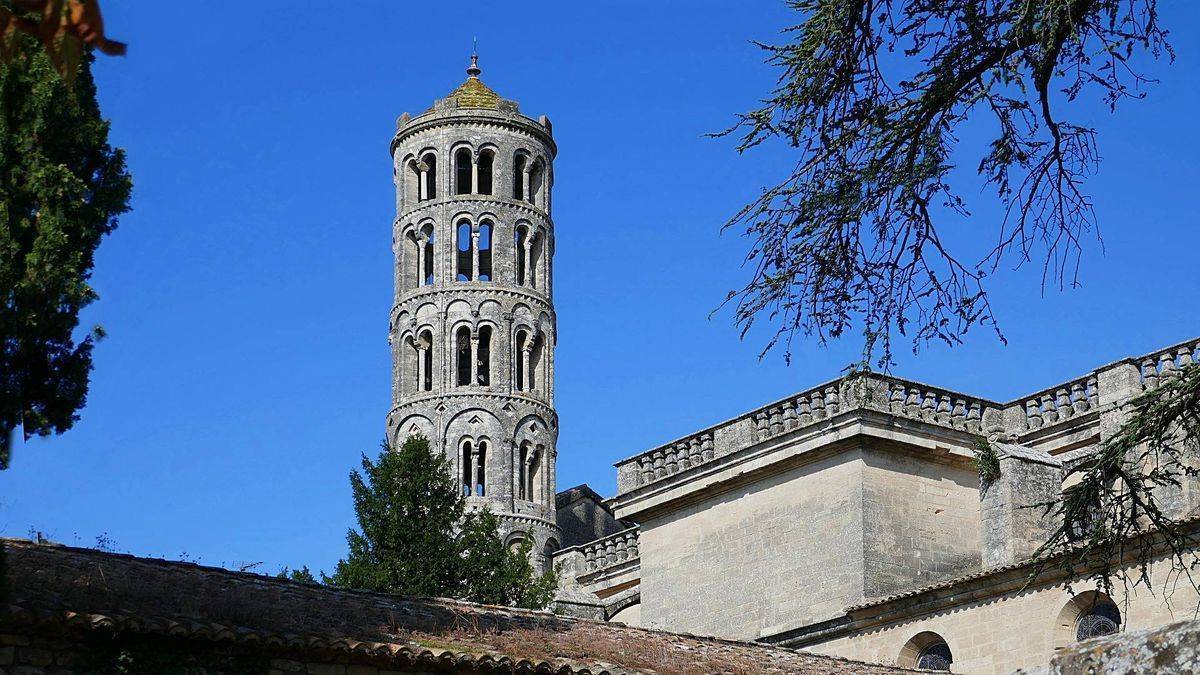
(681, 451)
(1149, 373)
(634, 551)
(660, 469)
(896, 400)
(1167, 367)
(589, 558)
(610, 553)
(1079, 402)
(1185, 357)
(974, 417)
(1062, 403)
(671, 461)
(912, 404)
(1049, 416)
(943, 409)
(833, 401)
(789, 415)
(928, 406)
(806, 417)
(694, 451)
(776, 417)
(1093, 392)
(958, 415)
(1033, 414)
(818, 405)
(761, 425)
(706, 446)
(647, 466)
(622, 551)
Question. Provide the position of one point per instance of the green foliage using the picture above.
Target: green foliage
(416, 538)
(1124, 493)
(986, 461)
(61, 189)
(872, 97)
(164, 656)
(303, 575)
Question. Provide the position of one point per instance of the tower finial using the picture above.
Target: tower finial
(473, 70)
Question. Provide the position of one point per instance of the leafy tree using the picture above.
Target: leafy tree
(62, 187)
(416, 538)
(303, 575)
(872, 96)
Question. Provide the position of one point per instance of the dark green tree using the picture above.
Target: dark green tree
(415, 537)
(62, 187)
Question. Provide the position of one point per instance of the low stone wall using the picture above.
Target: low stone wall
(1174, 648)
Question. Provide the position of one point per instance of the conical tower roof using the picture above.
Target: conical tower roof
(473, 93)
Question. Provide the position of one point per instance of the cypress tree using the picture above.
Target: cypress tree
(62, 187)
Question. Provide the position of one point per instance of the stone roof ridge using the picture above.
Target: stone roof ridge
(571, 494)
(1025, 453)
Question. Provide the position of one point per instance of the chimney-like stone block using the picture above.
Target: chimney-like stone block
(1014, 524)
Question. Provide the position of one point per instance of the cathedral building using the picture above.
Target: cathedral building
(847, 519)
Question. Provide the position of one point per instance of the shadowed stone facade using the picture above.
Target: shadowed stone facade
(473, 328)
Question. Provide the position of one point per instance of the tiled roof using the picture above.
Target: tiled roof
(57, 586)
(473, 93)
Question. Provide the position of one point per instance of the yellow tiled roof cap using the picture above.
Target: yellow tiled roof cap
(474, 93)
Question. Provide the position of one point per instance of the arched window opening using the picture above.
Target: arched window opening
(536, 374)
(534, 475)
(521, 244)
(426, 360)
(462, 356)
(481, 469)
(535, 257)
(416, 264)
(483, 362)
(463, 252)
(430, 175)
(519, 176)
(516, 541)
(549, 549)
(519, 359)
(412, 182)
(523, 471)
(428, 237)
(1101, 618)
(411, 370)
(926, 651)
(537, 180)
(462, 171)
(486, 160)
(467, 467)
(935, 657)
(485, 251)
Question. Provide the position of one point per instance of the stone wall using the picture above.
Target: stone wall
(1004, 631)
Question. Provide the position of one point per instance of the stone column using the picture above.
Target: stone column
(525, 183)
(421, 242)
(475, 252)
(475, 173)
(527, 245)
(474, 359)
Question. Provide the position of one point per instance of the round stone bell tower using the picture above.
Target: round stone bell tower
(473, 327)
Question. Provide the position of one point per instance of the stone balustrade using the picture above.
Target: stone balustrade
(1054, 406)
(609, 551)
(1166, 363)
(1061, 402)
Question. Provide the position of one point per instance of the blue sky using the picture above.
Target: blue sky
(246, 296)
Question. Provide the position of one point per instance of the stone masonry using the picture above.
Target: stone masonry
(473, 328)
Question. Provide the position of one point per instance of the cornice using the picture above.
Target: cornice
(507, 202)
(434, 120)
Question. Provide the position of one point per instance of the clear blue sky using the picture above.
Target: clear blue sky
(246, 296)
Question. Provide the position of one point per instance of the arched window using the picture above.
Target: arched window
(535, 258)
(462, 356)
(549, 549)
(481, 469)
(425, 354)
(537, 180)
(463, 253)
(519, 176)
(521, 253)
(926, 651)
(485, 251)
(430, 175)
(416, 263)
(428, 237)
(487, 159)
(523, 471)
(483, 361)
(1102, 618)
(519, 356)
(412, 182)
(467, 467)
(462, 171)
(411, 369)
